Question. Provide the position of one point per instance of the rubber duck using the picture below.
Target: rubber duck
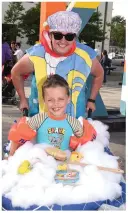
(25, 167)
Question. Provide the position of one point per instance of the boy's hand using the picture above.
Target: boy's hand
(56, 153)
(77, 133)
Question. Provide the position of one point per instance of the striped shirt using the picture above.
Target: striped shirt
(36, 121)
(56, 132)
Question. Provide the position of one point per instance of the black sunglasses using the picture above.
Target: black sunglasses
(68, 36)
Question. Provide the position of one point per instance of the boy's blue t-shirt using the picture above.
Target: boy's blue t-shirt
(55, 132)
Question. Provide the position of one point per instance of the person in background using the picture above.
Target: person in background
(6, 53)
(13, 49)
(18, 53)
(104, 63)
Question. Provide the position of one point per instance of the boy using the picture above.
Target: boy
(54, 126)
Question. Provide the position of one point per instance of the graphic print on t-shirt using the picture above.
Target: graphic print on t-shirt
(56, 136)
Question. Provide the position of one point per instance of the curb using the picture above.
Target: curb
(114, 120)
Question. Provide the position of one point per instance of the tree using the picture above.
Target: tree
(30, 24)
(93, 31)
(118, 32)
(13, 18)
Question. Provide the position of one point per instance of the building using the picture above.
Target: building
(105, 9)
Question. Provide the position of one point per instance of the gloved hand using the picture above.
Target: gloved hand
(21, 132)
(89, 134)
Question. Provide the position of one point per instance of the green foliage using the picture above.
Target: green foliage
(30, 24)
(93, 31)
(12, 18)
(118, 32)
(14, 13)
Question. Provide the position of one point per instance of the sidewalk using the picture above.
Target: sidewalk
(111, 95)
(111, 90)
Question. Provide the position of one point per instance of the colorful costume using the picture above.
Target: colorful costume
(74, 68)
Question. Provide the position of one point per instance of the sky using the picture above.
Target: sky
(119, 8)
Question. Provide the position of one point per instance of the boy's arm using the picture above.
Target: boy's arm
(89, 134)
(19, 133)
(76, 126)
(13, 148)
(26, 128)
(78, 130)
(36, 121)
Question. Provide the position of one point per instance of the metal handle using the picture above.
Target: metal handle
(25, 112)
(90, 113)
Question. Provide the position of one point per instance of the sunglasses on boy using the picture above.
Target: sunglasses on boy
(68, 36)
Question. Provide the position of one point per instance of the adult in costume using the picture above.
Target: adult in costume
(60, 53)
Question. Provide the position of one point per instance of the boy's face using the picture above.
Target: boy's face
(56, 100)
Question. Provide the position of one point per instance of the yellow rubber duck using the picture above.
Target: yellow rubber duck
(25, 167)
(76, 157)
(62, 167)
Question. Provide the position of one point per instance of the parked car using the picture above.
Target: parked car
(118, 60)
